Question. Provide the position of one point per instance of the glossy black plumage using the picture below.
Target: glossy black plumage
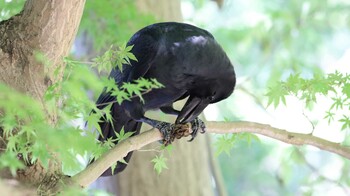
(186, 60)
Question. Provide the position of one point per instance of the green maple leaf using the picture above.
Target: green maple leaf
(329, 116)
(130, 88)
(294, 83)
(12, 143)
(277, 94)
(338, 103)
(346, 122)
(107, 112)
(93, 121)
(142, 82)
(113, 167)
(225, 143)
(159, 163)
(105, 61)
(320, 85)
(109, 83)
(40, 152)
(128, 48)
(133, 89)
(159, 85)
(131, 56)
(8, 123)
(346, 89)
(121, 95)
(122, 135)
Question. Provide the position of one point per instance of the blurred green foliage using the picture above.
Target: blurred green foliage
(280, 49)
(25, 127)
(278, 37)
(108, 22)
(335, 86)
(10, 8)
(267, 170)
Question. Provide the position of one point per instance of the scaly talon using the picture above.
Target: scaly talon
(166, 129)
(172, 131)
(197, 124)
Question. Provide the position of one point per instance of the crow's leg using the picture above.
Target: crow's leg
(167, 131)
(172, 131)
(136, 112)
(165, 128)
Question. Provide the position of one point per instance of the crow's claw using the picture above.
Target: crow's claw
(167, 130)
(172, 131)
(197, 124)
(181, 130)
(176, 131)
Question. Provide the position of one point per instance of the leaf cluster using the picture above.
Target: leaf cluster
(120, 56)
(26, 123)
(112, 19)
(335, 86)
(159, 161)
(284, 38)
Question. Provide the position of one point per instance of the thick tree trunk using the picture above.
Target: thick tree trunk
(47, 28)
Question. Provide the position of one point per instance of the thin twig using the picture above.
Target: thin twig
(312, 124)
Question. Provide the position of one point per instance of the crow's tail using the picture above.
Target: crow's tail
(120, 120)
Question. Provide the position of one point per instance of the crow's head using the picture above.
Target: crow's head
(206, 90)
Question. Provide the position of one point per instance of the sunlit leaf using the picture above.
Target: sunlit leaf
(346, 122)
(224, 143)
(277, 94)
(159, 163)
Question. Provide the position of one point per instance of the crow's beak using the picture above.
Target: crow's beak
(193, 107)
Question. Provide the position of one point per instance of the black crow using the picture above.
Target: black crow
(187, 61)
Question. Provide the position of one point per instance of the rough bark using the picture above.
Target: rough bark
(48, 28)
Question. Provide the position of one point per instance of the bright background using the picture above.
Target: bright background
(266, 41)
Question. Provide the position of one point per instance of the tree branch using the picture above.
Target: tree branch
(279, 134)
(93, 171)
